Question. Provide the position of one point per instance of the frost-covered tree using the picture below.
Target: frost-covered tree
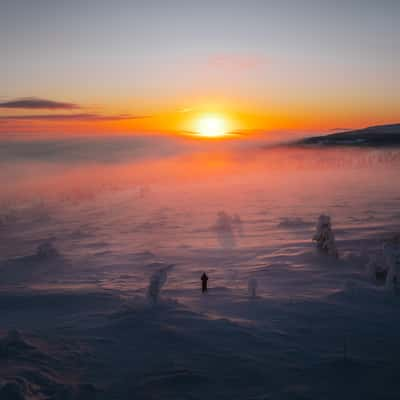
(324, 236)
(224, 229)
(157, 281)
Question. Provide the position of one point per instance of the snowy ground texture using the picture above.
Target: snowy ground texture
(77, 322)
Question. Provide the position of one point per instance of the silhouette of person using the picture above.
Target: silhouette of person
(204, 279)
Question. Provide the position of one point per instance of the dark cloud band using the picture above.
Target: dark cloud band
(37, 104)
(73, 117)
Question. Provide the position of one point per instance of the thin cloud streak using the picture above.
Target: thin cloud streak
(74, 117)
(35, 103)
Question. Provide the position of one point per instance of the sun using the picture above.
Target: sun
(212, 126)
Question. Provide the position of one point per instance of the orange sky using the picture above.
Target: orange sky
(295, 119)
(265, 67)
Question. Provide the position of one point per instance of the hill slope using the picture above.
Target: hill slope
(382, 135)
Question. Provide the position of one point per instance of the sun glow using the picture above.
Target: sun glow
(211, 126)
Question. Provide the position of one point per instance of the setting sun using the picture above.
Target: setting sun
(211, 126)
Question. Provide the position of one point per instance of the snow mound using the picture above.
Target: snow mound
(14, 344)
(13, 391)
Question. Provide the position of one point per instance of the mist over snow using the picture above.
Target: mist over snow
(103, 243)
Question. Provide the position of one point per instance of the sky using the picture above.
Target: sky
(96, 66)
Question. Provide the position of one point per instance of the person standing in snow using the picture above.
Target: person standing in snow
(204, 279)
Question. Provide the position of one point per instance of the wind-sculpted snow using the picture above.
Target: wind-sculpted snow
(293, 223)
(37, 369)
(33, 267)
(91, 307)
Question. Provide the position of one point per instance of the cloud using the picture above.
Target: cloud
(73, 117)
(235, 62)
(338, 129)
(186, 110)
(35, 103)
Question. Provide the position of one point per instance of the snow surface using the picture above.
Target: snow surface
(100, 277)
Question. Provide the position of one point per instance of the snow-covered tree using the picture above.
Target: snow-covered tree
(324, 236)
(157, 281)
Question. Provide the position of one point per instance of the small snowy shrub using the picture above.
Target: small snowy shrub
(46, 250)
(376, 269)
(252, 287)
(391, 251)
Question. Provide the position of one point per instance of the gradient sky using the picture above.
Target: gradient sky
(126, 66)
